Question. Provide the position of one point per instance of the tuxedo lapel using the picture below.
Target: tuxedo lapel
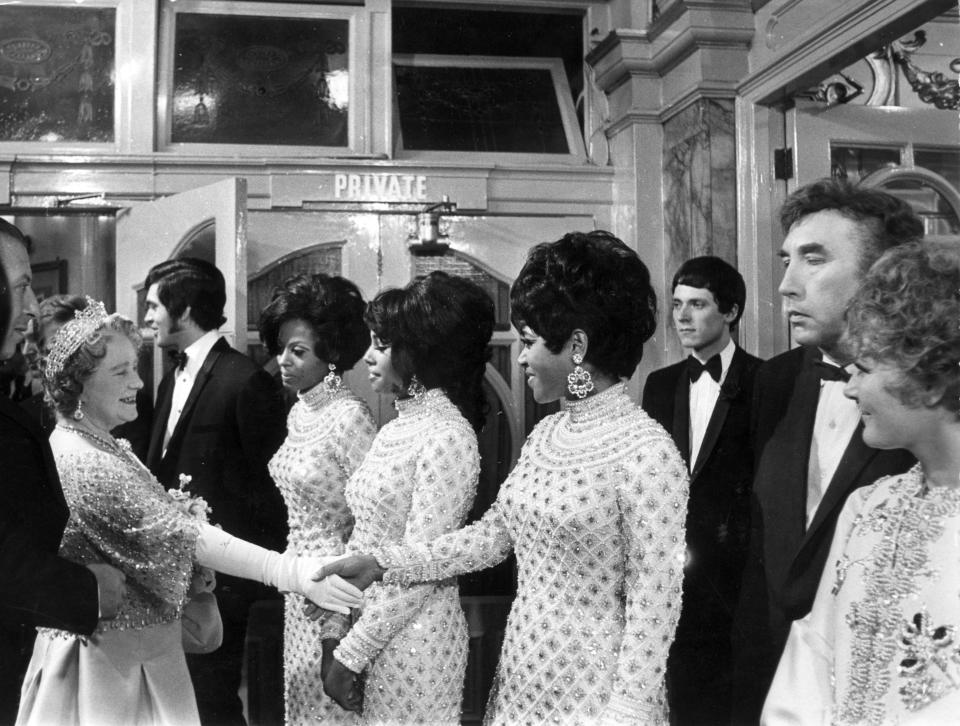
(785, 459)
(728, 391)
(25, 421)
(681, 415)
(203, 375)
(162, 415)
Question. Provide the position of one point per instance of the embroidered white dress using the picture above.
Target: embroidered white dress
(131, 671)
(881, 644)
(595, 511)
(328, 434)
(418, 482)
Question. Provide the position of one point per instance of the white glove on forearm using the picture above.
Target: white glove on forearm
(287, 572)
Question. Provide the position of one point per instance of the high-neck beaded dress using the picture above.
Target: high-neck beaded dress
(881, 644)
(417, 483)
(594, 510)
(131, 671)
(328, 434)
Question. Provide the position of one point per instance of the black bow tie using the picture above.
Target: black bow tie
(830, 372)
(713, 366)
(178, 358)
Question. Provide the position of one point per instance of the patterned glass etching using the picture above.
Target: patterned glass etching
(260, 80)
(56, 73)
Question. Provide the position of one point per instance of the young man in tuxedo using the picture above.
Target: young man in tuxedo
(704, 402)
(37, 588)
(809, 442)
(219, 418)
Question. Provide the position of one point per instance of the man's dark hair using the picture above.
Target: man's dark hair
(719, 277)
(13, 231)
(189, 282)
(886, 220)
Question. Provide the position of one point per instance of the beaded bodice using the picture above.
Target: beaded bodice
(417, 482)
(595, 511)
(120, 515)
(896, 601)
(328, 434)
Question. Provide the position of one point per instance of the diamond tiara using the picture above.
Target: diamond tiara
(72, 335)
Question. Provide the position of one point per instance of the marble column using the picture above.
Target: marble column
(699, 177)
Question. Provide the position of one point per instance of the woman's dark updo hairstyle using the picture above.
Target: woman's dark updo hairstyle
(334, 309)
(594, 282)
(438, 328)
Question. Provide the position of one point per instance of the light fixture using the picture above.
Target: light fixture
(427, 236)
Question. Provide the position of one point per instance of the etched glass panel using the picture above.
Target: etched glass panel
(56, 73)
(260, 80)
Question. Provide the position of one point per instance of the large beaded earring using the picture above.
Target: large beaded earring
(78, 411)
(416, 389)
(579, 382)
(332, 381)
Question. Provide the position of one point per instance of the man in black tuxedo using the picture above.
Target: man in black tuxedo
(704, 402)
(811, 453)
(37, 588)
(219, 418)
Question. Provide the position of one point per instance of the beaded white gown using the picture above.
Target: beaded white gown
(131, 671)
(328, 434)
(882, 642)
(418, 482)
(595, 511)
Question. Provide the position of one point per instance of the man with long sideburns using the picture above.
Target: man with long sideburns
(704, 402)
(219, 419)
(37, 588)
(809, 436)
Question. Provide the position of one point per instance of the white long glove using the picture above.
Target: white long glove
(287, 572)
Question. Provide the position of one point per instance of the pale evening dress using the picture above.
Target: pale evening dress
(594, 510)
(882, 642)
(418, 482)
(328, 434)
(132, 670)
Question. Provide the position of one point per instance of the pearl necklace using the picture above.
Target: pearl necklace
(110, 444)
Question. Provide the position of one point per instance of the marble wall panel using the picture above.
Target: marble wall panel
(699, 182)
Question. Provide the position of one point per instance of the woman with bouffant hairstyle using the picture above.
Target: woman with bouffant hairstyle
(314, 326)
(880, 644)
(594, 508)
(428, 348)
(132, 670)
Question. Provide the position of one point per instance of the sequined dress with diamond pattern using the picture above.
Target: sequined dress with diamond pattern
(132, 670)
(328, 434)
(594, 510)
(417, 483)
(882, 642)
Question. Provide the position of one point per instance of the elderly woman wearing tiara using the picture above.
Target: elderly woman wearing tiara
(132, 670)
(882, 642)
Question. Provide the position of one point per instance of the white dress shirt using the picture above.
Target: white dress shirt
(834, 426)
(704, 393)
(196, 353)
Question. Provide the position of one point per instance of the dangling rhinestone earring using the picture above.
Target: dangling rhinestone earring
(332, 381)
(579, 382)
(78, 411)
(416, 389)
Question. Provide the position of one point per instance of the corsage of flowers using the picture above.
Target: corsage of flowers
(197, 508)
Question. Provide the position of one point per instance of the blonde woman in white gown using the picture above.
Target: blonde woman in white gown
(881, 644)
(314, 326)
(428, 347)
(594, 509)
(132, 670)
